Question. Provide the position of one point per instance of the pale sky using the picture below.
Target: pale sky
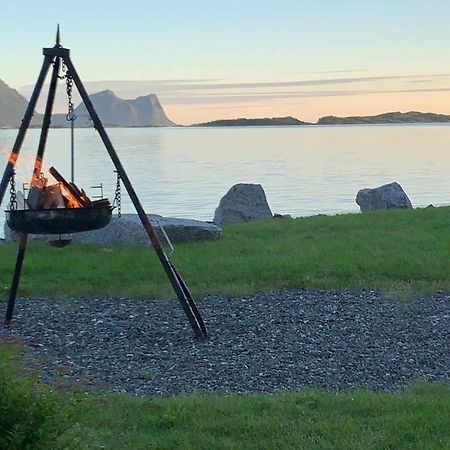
(208, 60)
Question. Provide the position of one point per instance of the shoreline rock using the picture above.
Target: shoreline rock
(244, 202)
(387, 196)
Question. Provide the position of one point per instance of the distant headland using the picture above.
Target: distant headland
(390, 117)
(145, 111)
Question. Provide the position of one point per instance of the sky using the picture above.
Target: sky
(210, 60)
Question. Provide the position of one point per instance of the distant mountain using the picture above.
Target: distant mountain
(147, 111)
(390, 117)
(143, 111)
(241, 122)
(12, 107)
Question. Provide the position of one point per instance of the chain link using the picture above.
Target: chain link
(118, 196)
(70, 117)
(12, 191)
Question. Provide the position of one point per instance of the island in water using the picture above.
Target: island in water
(386, 118)
(242, 122)
(390, 117)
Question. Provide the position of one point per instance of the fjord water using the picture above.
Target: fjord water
(304, 170)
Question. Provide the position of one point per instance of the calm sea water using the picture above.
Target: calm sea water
(304, 170)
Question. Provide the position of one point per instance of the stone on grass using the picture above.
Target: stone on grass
(244, 202)
(282, 216)
(383, 197)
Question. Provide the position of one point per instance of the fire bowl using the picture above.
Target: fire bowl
(58, 221)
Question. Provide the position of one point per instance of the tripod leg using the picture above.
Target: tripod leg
(46, 122)
(189, 299)
(24, 127)
(16, 278)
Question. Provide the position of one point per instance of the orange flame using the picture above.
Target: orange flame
(69, 199)
(11, 157)
(28, 164)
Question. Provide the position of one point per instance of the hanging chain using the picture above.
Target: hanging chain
(12, 191)
(70, 117)
(118, 196)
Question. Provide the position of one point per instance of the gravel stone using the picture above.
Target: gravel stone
(265, 342)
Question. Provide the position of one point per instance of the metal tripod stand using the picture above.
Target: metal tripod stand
(54, 57)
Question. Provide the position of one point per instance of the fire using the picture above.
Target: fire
(52, 191)
(11, 157)
(69, 199)
(28, 164)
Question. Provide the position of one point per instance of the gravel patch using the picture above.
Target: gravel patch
(260, 343)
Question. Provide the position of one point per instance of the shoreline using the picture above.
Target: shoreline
(194, 126)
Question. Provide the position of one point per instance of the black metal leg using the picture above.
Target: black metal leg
(46, 121)
(189, 299)
(16, 278)
(24, 127)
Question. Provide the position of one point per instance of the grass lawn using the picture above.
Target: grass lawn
(395, 251)
(416, 419)
(400, 252)
(52, 418)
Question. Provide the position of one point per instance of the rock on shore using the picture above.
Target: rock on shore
(387, 196)
(244, 202)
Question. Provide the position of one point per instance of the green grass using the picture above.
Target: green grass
(32, 417)
(417, 418)
(396, 251)
(48, 417)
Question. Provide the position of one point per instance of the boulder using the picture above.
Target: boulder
(242, 203)
(129, 230)
(383, 197)
(282, 216)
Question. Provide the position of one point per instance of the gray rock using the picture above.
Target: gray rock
(383, 197)
(282, 216)
(129, 230)
(242, 203)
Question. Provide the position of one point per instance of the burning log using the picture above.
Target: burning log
(53, 197)
(36, 194)
(75, 196)
(60, 195)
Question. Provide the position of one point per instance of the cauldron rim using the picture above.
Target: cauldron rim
(58, 220)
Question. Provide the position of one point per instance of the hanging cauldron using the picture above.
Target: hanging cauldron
(59, 220)
(61, 208)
